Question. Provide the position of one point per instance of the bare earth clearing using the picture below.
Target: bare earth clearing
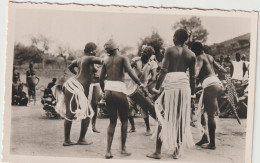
(34, 134)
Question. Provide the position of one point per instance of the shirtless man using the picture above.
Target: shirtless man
(174, 131)
(145, 68)
(76, 91)
(31, 82)
(212, 88)
(114, 69)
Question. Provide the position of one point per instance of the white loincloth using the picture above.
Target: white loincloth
(176, 90)
(209, 81)
(116, 86)
(84, 109)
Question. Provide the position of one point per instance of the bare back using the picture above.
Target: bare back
(115, 68)
(206, 69)
(179, 58)
(86, 69)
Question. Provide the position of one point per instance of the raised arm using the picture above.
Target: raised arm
(163, 70)
(102, 78)
(72, 66)
(130, 71)
(219, 67)
(192, 72)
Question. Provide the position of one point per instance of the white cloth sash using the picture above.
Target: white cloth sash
(116, 86)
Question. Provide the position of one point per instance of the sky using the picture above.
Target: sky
(76, 28)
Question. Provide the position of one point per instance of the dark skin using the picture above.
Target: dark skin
(176, 59)
(30, 76)
(204, 69)
(114, 69)
(85, 74)
(143, 77)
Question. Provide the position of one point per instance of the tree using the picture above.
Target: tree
(194, 28)
(155, 40)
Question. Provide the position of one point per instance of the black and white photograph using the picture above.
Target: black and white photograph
(92, 83)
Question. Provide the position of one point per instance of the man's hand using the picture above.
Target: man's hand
(193, 96)
(156, 91)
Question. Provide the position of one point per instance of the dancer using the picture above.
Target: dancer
(212, 88)
(146, 67)
(114, 69)
(76, 90)
(173, 105)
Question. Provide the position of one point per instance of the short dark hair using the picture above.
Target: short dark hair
(197, 48)
(90, 47)
(181, 35)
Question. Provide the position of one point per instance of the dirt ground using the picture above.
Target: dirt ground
(34, 134)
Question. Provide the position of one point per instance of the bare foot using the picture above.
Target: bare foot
(148, 133)
(68, 143)
(84, 142)
(125, 153)
(208, 146)
(154, 156)
(176, 154)
(202, 141)
(95, 130)
(108, 155)
(131, 130)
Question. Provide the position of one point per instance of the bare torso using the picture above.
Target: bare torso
(207, 69)
(86, 69)
(180, 58)
(115, 68)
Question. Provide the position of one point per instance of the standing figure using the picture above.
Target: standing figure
(174, 104)
(146, 68)
(212, 88)
(114, 69)
(31, 83)
(76, 91)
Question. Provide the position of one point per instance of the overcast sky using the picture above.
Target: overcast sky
(77, 28)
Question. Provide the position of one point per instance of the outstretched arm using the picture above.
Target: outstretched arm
(130, 71)
(163, 70)
(102, 78)
(219, 67)
(72, 66)
(96, 60)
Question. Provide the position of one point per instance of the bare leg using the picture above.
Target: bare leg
(148, 130)
(211, 106)
(204, 138)
(157, 153)
(83, 131)
(132, 122)
(67, 128)
(110, 136)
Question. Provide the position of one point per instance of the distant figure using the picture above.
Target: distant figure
(52, 84)
(238, 67)
(245, 68)
(16, 74)
(18, 95)
(31, 82)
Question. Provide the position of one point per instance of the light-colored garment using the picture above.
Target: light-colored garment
(116, 86)
(84, 109)
(209, 81)
(238, 70)
(173, 109)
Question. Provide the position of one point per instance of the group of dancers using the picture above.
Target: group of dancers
(165, 95)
